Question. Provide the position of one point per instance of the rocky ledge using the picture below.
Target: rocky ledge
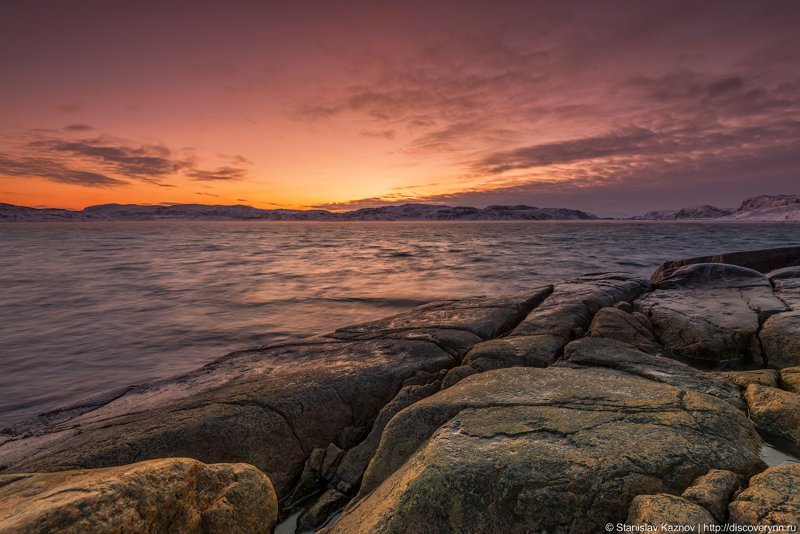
(600, 399)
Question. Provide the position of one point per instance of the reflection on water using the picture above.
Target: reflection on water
(93, 306)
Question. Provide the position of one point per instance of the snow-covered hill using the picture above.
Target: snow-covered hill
(203, 212)
(769, 208)
(694, 212)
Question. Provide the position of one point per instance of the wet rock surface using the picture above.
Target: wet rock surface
(175, 495)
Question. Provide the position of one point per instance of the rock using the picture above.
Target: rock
(174, 495)
(790, 379)
(625, 306)
(350, 470)
(764, 377)
(772, 498)
(324, 507)
(456, 374)
(666, 512)
(515, 351)
(713, 491)
(270, 406)
(599, 352)
(544, 450)
(710, 311)
(762, 261)
(775, 411)
(538, 339)
(613, 323)
(780, 339)
(786, 282)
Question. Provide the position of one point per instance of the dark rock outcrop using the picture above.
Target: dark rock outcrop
(175, 495)
(711, 311)
(763, 261)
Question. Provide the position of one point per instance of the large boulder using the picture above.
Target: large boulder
(780, 339)
(532, 450)
(763, 261)
(174, 495)
(537, 341)
(772, 498)
(790, 379)
(270, 407)
(667, 513)
(710, 312)
(775, 411)
(713, 491)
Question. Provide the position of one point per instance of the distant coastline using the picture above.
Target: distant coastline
(765, 208)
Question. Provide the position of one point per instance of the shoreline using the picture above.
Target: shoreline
(337, 421)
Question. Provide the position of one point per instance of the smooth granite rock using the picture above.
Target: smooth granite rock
(270, 407)
(601, 352)
(771, 498)
(174, 495)
(775, 411)
(713, 491)
(666, 512)
(532, 450)
(538, 339)
(780, 339)
(710, 312)
(790, 379)
(632, 328)
(763, 377)
(786, 282)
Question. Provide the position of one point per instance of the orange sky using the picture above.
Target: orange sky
(614, 109)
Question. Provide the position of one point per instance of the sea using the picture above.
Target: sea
(87, 307)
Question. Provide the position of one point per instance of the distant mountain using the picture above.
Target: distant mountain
(204, 212)
(778, 208)
(694, 212)
(769, 208)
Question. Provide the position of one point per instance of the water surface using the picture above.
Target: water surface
(86, 307)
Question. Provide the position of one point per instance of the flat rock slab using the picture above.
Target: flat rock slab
(539, 338)
(763, 377)
(533, 450)
(710, 312)
(175, 495)
(601, 352)
(269, 407)
(772, 498)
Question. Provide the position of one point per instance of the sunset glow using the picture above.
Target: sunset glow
(613, 107)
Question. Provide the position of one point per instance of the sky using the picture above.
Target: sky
(613, 107)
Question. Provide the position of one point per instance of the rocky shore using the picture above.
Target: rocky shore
(600, 399)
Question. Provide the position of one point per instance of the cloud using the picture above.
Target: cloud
(379, 134)
(106, 161)
(78, 128)
(54, 171)
(221, 174)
